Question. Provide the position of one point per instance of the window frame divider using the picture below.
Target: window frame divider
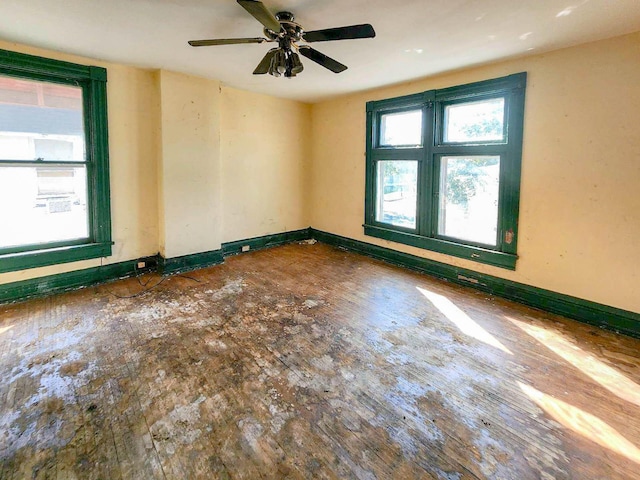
(432, 103)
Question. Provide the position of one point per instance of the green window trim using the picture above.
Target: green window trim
(92, 80)
(470, 252)
(432, 103)
(52, 256)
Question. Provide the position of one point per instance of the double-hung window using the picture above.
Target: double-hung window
(54, 175)
(443, 169)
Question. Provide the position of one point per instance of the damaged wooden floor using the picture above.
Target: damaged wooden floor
(305, 361)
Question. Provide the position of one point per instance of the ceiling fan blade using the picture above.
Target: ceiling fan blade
(225, 41)
(340, 33)
(265, 63)
(260, 13)
(322, 59)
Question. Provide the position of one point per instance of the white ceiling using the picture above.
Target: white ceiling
(415, 38)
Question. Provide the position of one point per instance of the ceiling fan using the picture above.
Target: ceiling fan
(280, 28)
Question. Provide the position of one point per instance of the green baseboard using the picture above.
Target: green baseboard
(186, 263)
(63, 282)
(171, 266)
(603, 316)
(266, 241)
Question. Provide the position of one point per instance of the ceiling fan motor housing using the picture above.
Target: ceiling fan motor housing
(285, 16)
(289, 30)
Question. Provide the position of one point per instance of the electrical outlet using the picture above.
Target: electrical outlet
(246, 248)
(142, 264)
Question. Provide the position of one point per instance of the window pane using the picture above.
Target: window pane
(468, 208)
(42, 204)
(396, 193)
(401, 129)
(40, 120)
(474, 121)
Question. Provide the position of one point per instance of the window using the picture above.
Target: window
(443, 169)
(54, 177)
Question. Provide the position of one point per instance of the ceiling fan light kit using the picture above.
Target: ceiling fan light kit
(281, 28)
(282, 62)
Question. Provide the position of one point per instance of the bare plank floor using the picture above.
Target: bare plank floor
(305, 361)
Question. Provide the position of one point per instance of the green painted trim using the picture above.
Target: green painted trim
(40, 246)
(469, 252)
(266, 241)
(63, 282)
(42, 286)
(516, 81)
(31, 64)
(604, 316)
(509, 149)
(51, 256)
(406, 102)
(92, 80)
(597, 314)
(98, 73)
(98, 155)
(171, 266)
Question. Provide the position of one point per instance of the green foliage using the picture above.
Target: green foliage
(486, 128)
(391, 169)
(465, 176)
(398, 174)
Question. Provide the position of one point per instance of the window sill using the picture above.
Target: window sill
(476, 254)
(12, 262)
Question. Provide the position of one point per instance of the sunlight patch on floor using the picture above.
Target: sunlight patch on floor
(5, 329)
(461, 320)
(588, 364)
(583, 423)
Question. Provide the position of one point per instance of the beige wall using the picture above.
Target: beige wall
(265, 159)
(193, 164)
(133, 139)
(189, 171)
(580, 198)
